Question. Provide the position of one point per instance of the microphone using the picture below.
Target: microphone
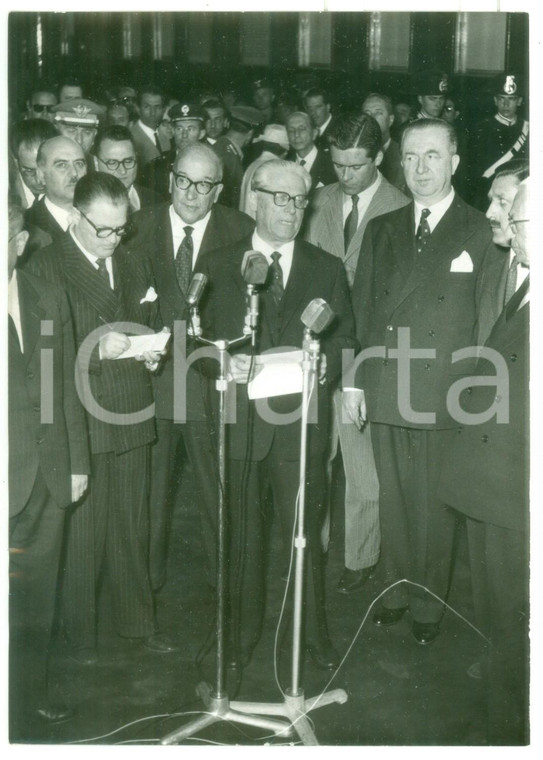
(317, 315)
(254, 268)
(196, 289)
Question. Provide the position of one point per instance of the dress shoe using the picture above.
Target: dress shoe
(324, 655)
(425, 633)
(160, 643)
(55, 713)
(84, 655)
(386, 616)
(351, 580)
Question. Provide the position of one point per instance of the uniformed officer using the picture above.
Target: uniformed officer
(499, 138)
(430, 89)
(79, 119)
(230, 149)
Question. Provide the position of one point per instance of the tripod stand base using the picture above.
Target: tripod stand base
(294, 709)
(218, 709)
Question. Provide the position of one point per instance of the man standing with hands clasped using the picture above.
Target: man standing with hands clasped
(415, 304)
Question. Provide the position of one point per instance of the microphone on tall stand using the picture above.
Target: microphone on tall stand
(254, 270)
(316, 317)
(194, 294)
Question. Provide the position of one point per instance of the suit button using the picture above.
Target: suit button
(513, 357)
(385, 362)
(431, 333)
(37, 409)
(459, 431)
(469, 390)
(441, 298)
(386, 292)
(484, 438)
(390, 328)
(427, 366)
(39, 440)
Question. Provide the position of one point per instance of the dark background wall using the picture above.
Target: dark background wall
(207, 50)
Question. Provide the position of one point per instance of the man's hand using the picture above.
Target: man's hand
(79, 486)
(354, 407)
(239, 368)
(113, 344)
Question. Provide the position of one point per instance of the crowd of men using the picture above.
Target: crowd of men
(409, 225)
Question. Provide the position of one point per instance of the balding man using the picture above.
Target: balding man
(302, 135)
(60, 164)
(173, 236)
(264, 457)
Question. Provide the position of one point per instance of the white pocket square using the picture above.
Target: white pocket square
(150, 296)
(462, 263)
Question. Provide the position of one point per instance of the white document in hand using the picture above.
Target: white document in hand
(140, 343)
(278, 374)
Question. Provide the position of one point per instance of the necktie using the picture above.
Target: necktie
(102, 271)
(351, 223)
(276, 273)
(157, 143)
(511, 281)
(423, 230)
(183, 260)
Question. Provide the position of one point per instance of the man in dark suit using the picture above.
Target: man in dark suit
(301, 135)
(26, 138)
(339, 215)
(115, 153)
(149, 143)
(485, 477)
(48, 470)
(162, 235)
(414, 291)
(380, 107)
(106, 287)
(263, 456)
(317, 103)
(60, 164)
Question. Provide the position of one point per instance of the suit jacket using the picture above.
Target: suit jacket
(391, 167)
(57, 445)
(121, 386)
(154, 241)
(38, 215)
(146, 148)
(314, 274)
(232, 171)
(490, 294)
(325, 224)
(321, 141)
(322, 172)
(394, 288)
(155, 175)
(147, 197)
(485, 472)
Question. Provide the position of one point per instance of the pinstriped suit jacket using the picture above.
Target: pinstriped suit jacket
(122, 386)
(325, 225)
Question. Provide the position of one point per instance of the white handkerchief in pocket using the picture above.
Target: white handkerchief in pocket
(150, 296)
(462, 263)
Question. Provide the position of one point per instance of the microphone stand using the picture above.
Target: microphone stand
(295, 707)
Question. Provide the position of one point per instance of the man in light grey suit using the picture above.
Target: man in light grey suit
(338, 219)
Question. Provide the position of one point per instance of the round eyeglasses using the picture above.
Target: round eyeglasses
(113, 165)
(282, 199)
(105, 232)
(203, 187)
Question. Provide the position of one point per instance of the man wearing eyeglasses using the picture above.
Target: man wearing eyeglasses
(115, 153)
(173, 236)
(108, 531)
(263, 458)
(40, 105)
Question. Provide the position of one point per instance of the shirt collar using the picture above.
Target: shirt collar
(506, 122)
(147, 130)
(369, 192)
(285, 249)
(437, 210)
(60, 215)
(310, 158)
(198, 227)
(88, 255)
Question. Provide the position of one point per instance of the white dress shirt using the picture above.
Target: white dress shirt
(437, 211)
(60, 215)
(364, 200)
(309, 159)
(286, 250)
(14, 309)
(178, 232)
(151, 134)
(323, 126)
(94, 259)
(134, 199)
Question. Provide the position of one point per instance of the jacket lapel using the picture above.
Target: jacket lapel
(82, 275)
(298, 282)
(164, 265)
(31, 312)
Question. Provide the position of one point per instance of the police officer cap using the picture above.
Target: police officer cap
(507, 84)
(430, 83)
(79, 112)
(246, 114)
(182, 111)
(260, 84)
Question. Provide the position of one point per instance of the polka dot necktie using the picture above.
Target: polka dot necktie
(183, 260)
(276, 273)
(423, 230)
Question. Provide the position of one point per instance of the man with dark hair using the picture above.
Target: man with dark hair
(230, 149)
(263, 458)
(60, 164)
(149, 144)
(109, 530)
(26, 138)
(217, 119)
(117, 114)
(115, 153)
(48, 471)
(70, 89)
(380, 107)
(414, 295)
(41, 102)
(317, 103)
(338, 218)
(192, 224)
(301, 135)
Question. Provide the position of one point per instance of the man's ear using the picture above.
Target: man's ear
(455, 162)
(379, 157)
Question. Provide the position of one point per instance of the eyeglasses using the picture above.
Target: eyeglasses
(203, 187)
(105, 232)
(282, 199)
(513, 224)
(39, 108)
(113, 164)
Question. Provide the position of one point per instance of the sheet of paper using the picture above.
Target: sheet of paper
(279, 374)
(140, 343)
